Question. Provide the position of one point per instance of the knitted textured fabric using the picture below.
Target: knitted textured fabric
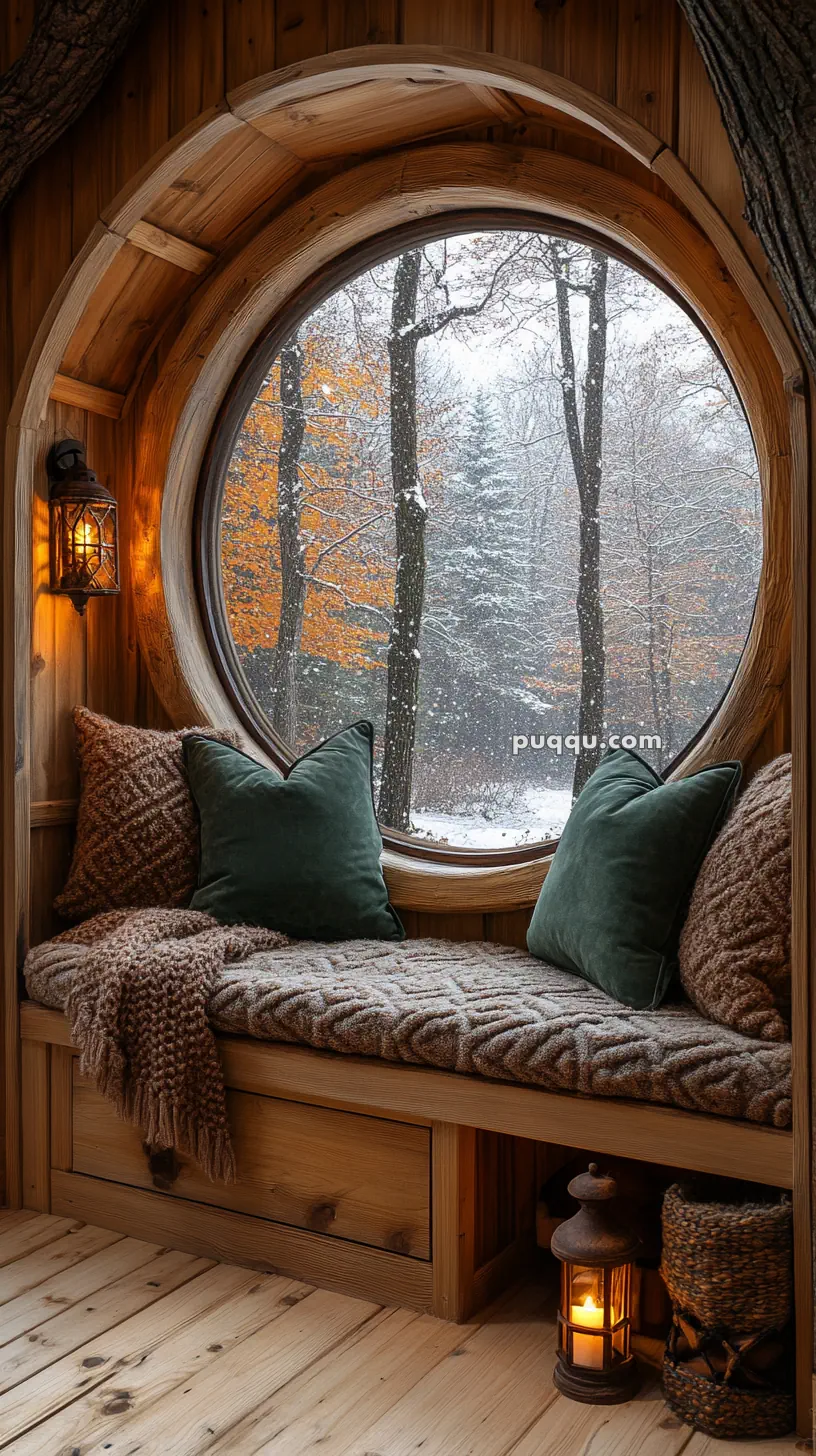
(137, 828)
(138, 1011)
(735, 946)
(485, 1010)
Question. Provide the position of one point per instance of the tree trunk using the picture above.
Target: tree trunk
(585, 451)
(761, 58)
(72, 47)
(409, 516)
(283, 682)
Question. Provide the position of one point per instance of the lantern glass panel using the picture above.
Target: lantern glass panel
(88, 558)
(620, 1281)
(586, 1310)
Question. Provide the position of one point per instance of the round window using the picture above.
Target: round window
(497, 494)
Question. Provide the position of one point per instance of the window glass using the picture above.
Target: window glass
(498, 495)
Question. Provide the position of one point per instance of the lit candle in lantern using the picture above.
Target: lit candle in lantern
(587, 1350)
(595, 1363)
(85, 540)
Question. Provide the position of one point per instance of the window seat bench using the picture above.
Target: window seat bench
(389, 1105)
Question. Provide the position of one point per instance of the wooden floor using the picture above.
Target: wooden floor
(108, 1344)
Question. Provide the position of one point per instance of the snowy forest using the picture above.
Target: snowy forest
(495, 492)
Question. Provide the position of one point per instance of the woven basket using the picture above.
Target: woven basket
(721, 1410)
(728, 1269)
(728, 1264)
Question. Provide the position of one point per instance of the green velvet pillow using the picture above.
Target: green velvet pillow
(300, 854)
(612, 906)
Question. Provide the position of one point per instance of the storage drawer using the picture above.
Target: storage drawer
(337, 1173)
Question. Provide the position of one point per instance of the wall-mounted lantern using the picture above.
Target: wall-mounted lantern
(595, 1363)
(84, 534)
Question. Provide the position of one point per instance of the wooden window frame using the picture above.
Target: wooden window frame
(235, 407)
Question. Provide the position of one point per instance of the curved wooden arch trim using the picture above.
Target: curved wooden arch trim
(260, 99)
(321, 74)
(238, 300)
(344, 70)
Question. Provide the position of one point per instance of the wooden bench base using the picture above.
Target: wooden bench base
(384, 1204)
(398, 1184)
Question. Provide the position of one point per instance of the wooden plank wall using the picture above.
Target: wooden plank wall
(182, 58)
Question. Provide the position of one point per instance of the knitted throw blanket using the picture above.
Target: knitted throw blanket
(138, 1012)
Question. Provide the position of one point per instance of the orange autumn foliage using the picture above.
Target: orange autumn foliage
(344, 487)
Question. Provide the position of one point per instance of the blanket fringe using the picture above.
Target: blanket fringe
(160, 1121)
(138, 1014)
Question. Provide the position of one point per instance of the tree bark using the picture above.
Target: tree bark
(585, 451)
(394, 808)
(72, 47)
(761, 58)
(409, 516)
(283, 680)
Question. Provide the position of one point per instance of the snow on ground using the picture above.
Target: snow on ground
(539, 814)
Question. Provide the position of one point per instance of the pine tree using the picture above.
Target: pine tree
(481, 549)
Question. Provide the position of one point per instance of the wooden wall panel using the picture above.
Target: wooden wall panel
(51, 849)
(704, 147)
(463, 23)
(58, 661)
(647, 64)
(590, 44)
(450, 927)
(301, 30)
(508, 928)
(526, 34)
(15, 27)
(197, 31)
(249, 40)
(129, 119)
(523, 33)
(363, 22)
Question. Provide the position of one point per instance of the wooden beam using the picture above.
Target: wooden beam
(39, 1023)
(453, 1179)
(49, 812)
(36, 1105)
(62, 1108)
(89, 397)
(803, 1009)
(611, 1125)
(170, 248)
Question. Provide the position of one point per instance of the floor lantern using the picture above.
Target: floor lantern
(595, 1363)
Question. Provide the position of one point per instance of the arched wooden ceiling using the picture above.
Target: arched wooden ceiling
(218, 182)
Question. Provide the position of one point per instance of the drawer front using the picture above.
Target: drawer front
(336, 1173)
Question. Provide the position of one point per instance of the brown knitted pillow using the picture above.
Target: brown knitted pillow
(137, 829)
(735, 945)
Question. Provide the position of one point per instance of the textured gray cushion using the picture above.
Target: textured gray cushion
(480, 1008)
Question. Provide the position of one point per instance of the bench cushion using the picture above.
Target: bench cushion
(488, 1010)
